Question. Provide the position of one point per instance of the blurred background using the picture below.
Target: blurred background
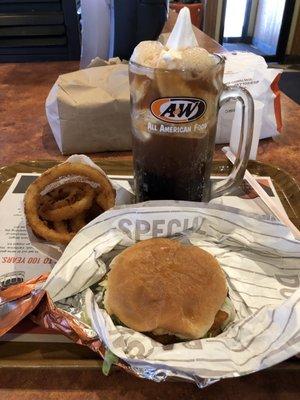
(44, 30)
(51, 29)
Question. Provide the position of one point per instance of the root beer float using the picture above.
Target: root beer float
(175, 92)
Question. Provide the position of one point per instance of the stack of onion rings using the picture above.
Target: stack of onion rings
(79, 198)
(60, 213)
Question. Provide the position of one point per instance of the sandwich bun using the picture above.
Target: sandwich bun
(164, 287)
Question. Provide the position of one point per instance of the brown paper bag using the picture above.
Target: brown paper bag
(88, 110)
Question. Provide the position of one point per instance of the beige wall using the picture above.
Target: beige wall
(252, 17)
(212, 18)
(218, 19)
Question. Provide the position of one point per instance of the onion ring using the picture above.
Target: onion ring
(75, 225)
(105, 198)
(78, 222)
(93, 212)
(61, 227)
(61, 196)
(56, 213)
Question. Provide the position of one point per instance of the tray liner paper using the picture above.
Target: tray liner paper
(257, 253)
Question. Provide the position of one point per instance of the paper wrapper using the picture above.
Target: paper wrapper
(261, 262)
(124, 195)
(89, 111)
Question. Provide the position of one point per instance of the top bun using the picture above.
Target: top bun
(164, 287)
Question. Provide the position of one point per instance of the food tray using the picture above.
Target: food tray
(286, 186)
(26, 355)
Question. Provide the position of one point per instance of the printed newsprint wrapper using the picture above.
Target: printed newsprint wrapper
(258, 254)
(20, 261)
(124, 195)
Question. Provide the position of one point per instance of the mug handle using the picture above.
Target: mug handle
(237, 174)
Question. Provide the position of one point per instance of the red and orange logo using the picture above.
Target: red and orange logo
(178, 110)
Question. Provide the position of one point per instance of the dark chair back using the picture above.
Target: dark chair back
(38, 30)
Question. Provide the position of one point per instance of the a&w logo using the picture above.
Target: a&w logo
(178, 110)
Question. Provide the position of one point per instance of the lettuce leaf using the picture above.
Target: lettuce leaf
(109, 359)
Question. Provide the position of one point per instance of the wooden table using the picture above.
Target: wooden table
(25, 135)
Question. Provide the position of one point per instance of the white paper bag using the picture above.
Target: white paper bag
(250, 71)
